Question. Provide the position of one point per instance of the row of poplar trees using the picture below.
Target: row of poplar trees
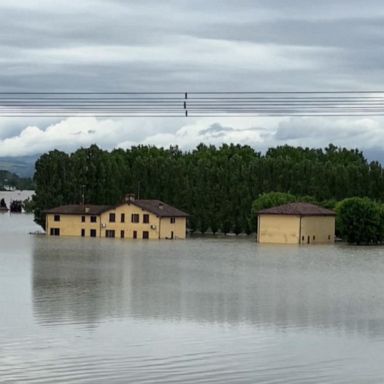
(216, 186)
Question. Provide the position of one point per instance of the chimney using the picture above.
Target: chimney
(86, 209)
(161, 205)
(129, 197)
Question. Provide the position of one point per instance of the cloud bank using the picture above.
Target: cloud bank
(71, 133)
(182, 45)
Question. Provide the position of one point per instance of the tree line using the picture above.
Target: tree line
(215, 185)
(9, 179)
(359, 220)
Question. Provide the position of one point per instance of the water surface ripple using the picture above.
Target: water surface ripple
(195, 311)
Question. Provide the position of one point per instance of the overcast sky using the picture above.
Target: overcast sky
(190, 45)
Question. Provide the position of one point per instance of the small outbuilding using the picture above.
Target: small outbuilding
(296, 223)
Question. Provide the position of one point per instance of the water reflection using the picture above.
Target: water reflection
(77, 284)
(225, 282)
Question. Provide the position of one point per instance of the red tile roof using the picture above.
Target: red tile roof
(297, 209)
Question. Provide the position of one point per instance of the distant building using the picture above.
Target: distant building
(133, 219)
(3, 206)
(296, 223)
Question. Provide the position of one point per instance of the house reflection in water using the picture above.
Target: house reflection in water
(207, 281)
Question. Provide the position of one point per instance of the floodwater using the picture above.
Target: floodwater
(8, 196)
(194, 311)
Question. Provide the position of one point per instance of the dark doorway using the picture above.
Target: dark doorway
(55, 231)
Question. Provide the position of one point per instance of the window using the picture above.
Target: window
(123, 218)
(135, 218)
(146, 218)
(55, 231)
(135, 234)
(329, 237)
(110, 233)
(112, 217)
(82, 232)
(92, 233)
(145, 235)
(314, 237)
(83, 219)
(122, 234)
(302, 238)
(56, 218)
(93, 219)
(173, 220)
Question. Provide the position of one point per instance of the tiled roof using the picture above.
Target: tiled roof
(79, 209)
(156, 207)
(297, 209)
(159, 208)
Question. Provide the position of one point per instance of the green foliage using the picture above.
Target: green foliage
(269, 200)
(215, 185)
(272, 199)
(8, 179)
(360, 220)
(29, 205)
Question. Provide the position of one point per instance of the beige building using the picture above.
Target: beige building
(133, 219)
(296, 223)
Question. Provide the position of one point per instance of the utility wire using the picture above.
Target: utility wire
(191, 104)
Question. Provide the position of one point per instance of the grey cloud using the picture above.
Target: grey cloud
(374, 154)
(360, 132)
(215, 129)
(353, 32)
(200, 45)
(348, 33)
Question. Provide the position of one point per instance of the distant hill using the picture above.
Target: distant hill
(8, 179)
(22, 166)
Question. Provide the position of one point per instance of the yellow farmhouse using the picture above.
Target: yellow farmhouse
(133, 219)
(296, 223)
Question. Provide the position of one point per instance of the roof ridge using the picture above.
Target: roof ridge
(157, 207)
(299, 209)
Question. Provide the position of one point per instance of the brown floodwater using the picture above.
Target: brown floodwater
(75, 310)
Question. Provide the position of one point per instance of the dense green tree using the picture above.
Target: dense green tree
(215, 185)
(268, 200)
(9, 179)
(360, 220)
(272, 199)
(54, 183)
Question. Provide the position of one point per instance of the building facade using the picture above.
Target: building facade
(296, 223)
(133, 219)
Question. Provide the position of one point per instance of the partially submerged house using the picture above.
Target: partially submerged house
(133, 219)
(296, 223)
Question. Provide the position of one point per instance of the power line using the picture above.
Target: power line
(192, 104)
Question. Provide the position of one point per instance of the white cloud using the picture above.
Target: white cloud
(65, 135)
(261, 133)
(364, 132)
(190, 135)
(71, 133)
